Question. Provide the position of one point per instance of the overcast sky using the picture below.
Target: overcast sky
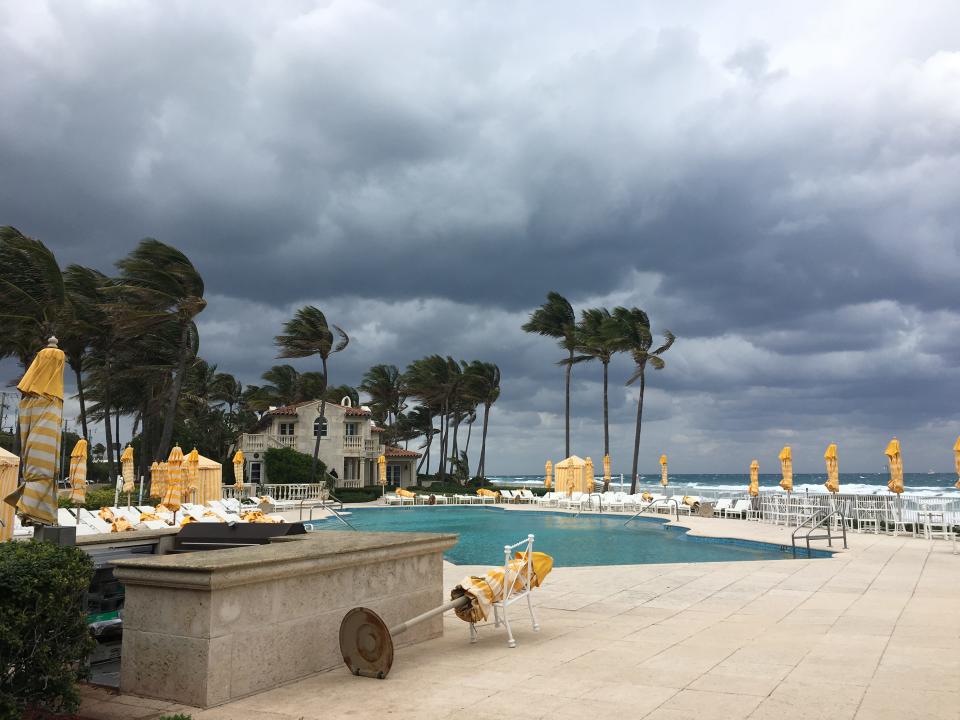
(775, 182)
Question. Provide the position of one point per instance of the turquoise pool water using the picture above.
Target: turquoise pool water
(573, 541)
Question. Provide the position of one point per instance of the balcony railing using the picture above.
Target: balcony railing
(264, 441)
(352, 442)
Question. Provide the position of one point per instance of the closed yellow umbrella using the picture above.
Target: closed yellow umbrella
(833, 468)
(382, 469)
(588, 475)
(158, 481)
(663, 471)
(786, 467)
(895, 463)
(956, 460)
(754, 488)
(191, 476)
(174, 492)
(548, 478)
(9, 465)
(78, 472)
(238, 470)
(41, 411)
(126, 469)
(606, 472)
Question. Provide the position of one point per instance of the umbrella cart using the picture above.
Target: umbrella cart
(366, 642)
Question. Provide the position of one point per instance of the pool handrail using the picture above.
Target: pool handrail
(676, 508)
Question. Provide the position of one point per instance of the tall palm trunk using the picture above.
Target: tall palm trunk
(567, 406)
(444, 433)
(636, 437)
(466, 448)
(116, 435)
(108, 431)
(482, 465)
(606, 423)
(166, 435)
(83, 404)
(323, 410)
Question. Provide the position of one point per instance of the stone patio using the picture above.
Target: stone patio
(873, 632)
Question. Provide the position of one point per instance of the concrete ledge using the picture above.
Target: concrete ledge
(209, 627)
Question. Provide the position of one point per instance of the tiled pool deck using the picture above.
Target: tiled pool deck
(873, 632)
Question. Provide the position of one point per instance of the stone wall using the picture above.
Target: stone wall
(208, 627)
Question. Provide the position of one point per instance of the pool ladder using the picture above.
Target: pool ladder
(665, 501)
(820, 519)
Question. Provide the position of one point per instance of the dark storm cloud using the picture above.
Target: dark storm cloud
(779, 187)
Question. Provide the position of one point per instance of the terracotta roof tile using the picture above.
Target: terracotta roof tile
(378, 429)
(391, 451)
(292, 409)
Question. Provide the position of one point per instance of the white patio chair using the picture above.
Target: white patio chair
(721, 506)
(575, 500)
(549, 499)
(741, 508)
(517, 585)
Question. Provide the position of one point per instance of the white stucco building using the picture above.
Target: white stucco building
(350, 443)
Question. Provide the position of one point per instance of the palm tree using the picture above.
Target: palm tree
(556, 319)
(32, 295)
(631, 333)
(158, 284)
(483, 382)
(434, 381)
(384, 385)
(419, 421)
(82, 321)
(596, 339)
(305, 335)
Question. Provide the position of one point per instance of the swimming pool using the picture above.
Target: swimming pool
(573, 541)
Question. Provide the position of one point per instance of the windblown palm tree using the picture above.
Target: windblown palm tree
(435, 380)
(596, 340)
(305, 335)
(158, 284)
(555, 318)
(631, 333)
(483, 384)
(384, 385)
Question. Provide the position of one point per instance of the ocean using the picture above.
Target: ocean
(860, 483)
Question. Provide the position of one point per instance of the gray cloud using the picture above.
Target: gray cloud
(775, 184)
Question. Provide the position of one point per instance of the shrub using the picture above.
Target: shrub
(44, 641)
(286, 465)
(96, 499)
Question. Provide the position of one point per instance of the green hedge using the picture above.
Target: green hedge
(44, 641)
(286, 465)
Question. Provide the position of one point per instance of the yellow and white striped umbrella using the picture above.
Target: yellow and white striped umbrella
(833, 469)
(663, 471)
(786, 467)
(126, 469)
(78, 472)
(382, 469)
(548, 478)
(588, 475)
(956, 460)
(754, 488)
(191, 475)
(895, 463)
(488, 589)
(238, 470)
(158, 479)
(41, 411)
(174, 490)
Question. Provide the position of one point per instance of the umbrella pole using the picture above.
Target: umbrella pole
(140, 497)
(439, 610)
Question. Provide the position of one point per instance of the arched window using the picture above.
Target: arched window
(317, 427)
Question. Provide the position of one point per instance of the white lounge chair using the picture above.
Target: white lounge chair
(741, 508)
(721, 506)
(575, 500)
(507, 496)
(549, 499)
(527, 497)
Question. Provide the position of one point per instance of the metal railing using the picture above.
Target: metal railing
(817, 520)
(665, 501)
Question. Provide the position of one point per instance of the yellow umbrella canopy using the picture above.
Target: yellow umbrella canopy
(786, 467)
(126, 469)
(548, 477)
(663, 471)
(956, 460)
(9, 465)
(382, 469)
(833, 468)
(588, 475)
(895, 462)
(174, 490)
(191, 475)
(754, 488)
(488, 589)
(158, 479)
(606, 470)
(238, 469)
(41, 411)
(78, 472)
